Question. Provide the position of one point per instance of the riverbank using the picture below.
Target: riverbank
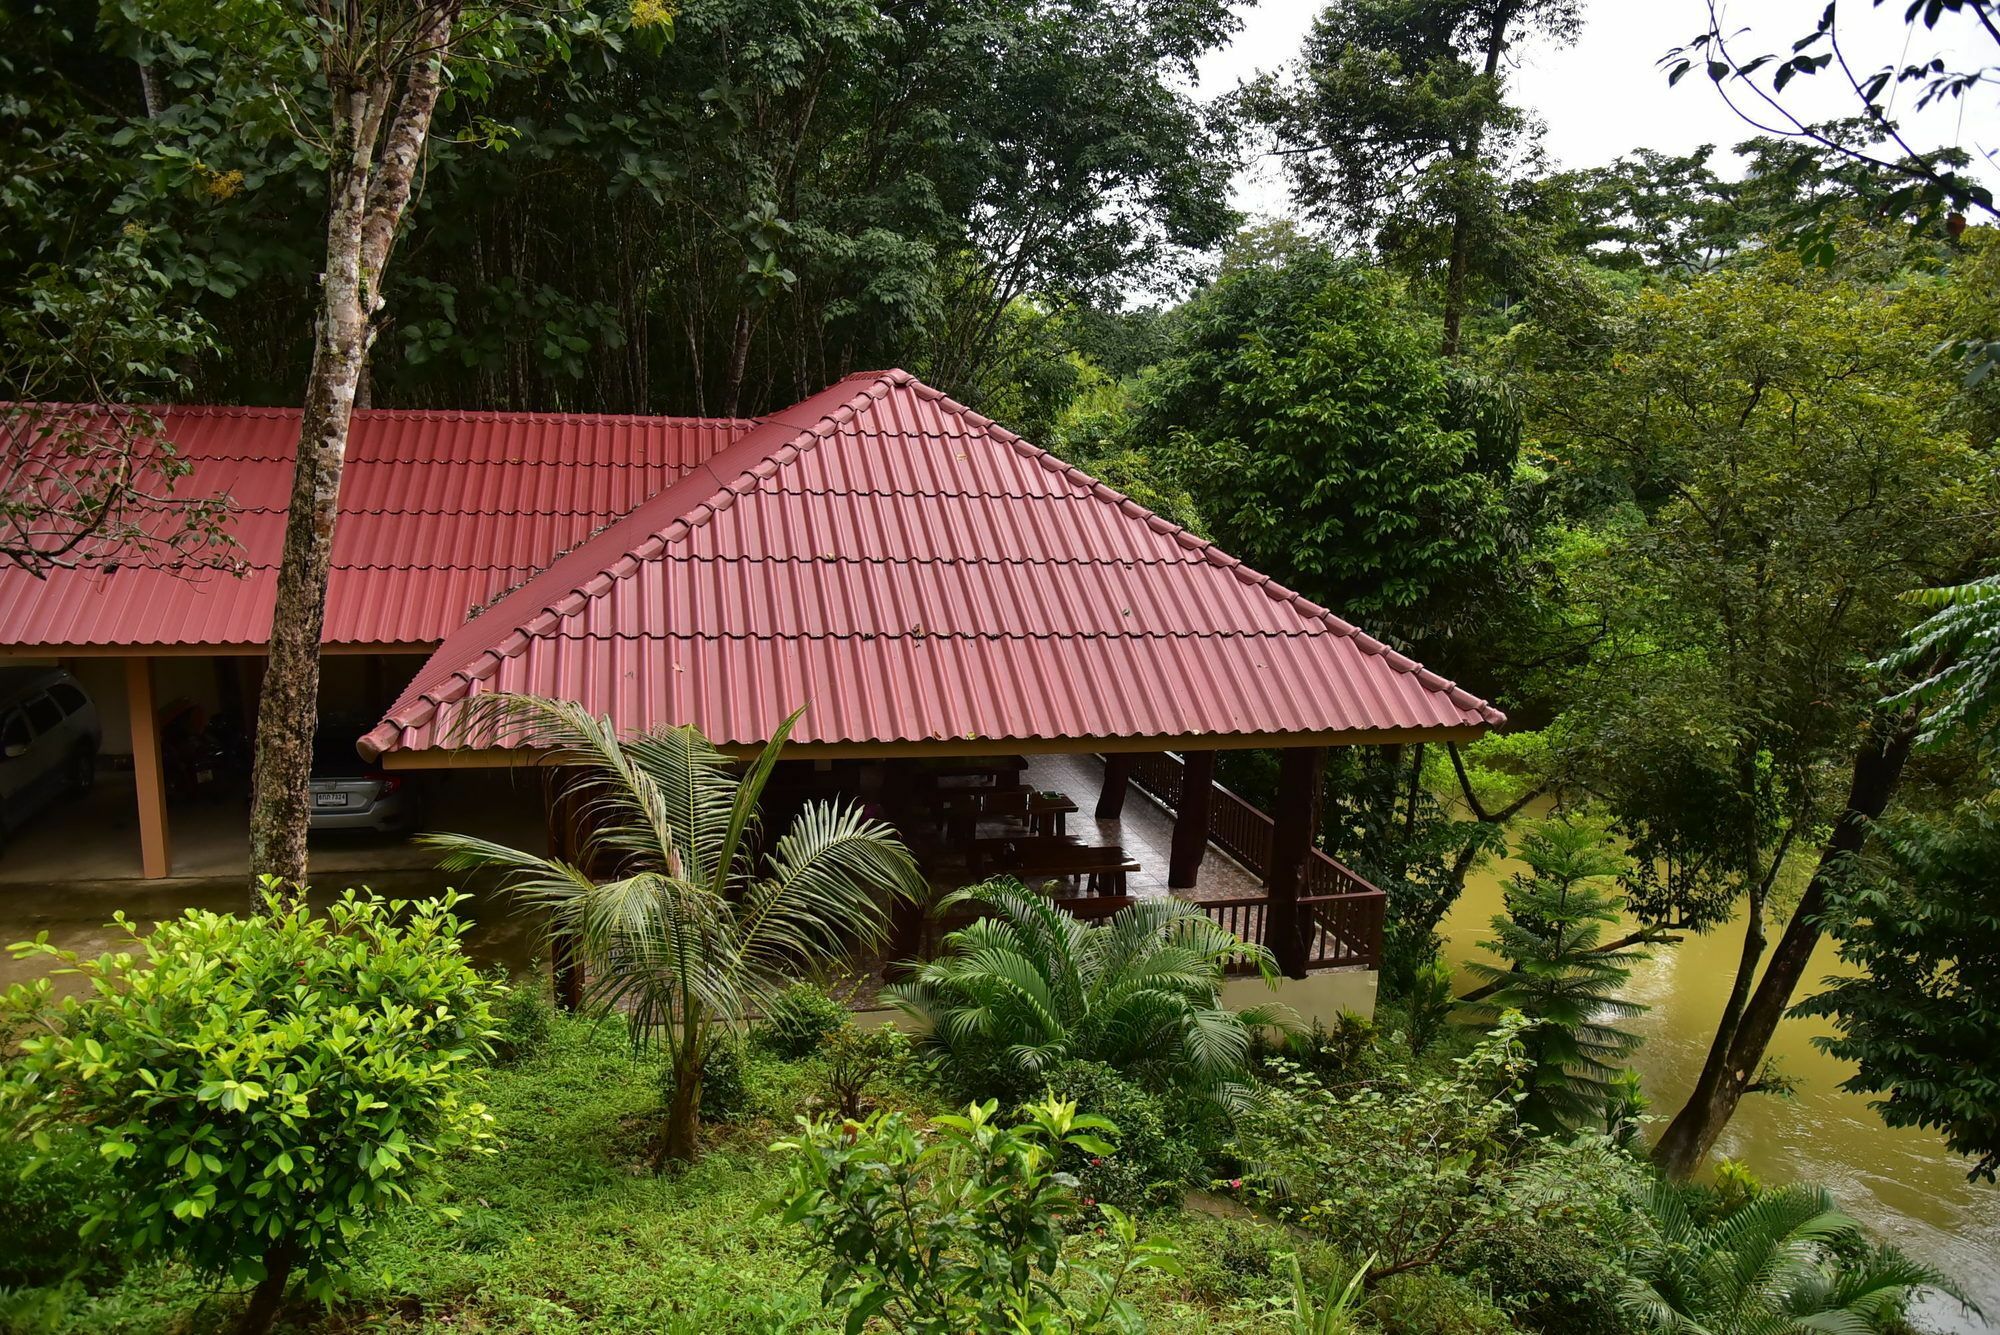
(1901, 1183)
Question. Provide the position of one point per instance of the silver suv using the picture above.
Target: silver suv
(49, 735)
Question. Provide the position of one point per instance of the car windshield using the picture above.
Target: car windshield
(334, 756)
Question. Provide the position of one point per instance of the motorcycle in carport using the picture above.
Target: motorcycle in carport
(195, 759)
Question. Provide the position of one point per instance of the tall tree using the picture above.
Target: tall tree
(1303, 405)
(383, 67)
(1303, 402)
(1792, 462)
(1394, 127)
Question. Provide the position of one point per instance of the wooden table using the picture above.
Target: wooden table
(1048, 813)
(1102, 869)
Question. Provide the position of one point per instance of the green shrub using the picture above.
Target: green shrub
(857, 1059)
(266, 1087)
(1348, 1049)
(45, 1200)
(800, 1019)
(1428, 1302)
(1413, 1170)
(725, 1092)
(1552, 1278)
(1230, 1261)
(1428, 1003)
(964, 1231)
(523, 1018)
(1149, 1167)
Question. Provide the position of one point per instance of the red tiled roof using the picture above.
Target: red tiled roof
(912, 572)
(439, 513)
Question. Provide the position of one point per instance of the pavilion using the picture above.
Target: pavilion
(929, 585)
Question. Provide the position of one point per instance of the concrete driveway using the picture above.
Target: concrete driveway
(77, 864)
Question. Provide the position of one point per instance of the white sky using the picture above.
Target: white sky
(1605, 95)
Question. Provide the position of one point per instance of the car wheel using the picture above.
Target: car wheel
(82, 771)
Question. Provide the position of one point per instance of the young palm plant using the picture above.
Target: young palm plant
(1027, 987)
(681, 922)
(1784, 1263)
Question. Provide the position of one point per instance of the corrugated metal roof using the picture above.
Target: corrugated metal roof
(440, 512)
(912, 572)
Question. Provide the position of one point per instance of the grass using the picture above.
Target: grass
(565, 1230)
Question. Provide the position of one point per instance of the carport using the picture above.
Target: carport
(440, 513)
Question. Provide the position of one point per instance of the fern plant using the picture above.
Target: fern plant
(682, 923)
(1957, 648)
(1783, 1263)
(1027, 987)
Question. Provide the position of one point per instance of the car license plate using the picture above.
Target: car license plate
(204, 776)
(329, 799)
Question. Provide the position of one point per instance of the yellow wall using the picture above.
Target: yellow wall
(1322, 996)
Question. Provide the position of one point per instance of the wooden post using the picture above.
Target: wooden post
(155, 849)
(1117, 778)
(1294, 832)
(565, 845)
(1191, 819)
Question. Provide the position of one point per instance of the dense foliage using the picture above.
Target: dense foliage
(1333, 449)
(1923, 926)
(781, 194)
(268, 1088)
(1412, 1168)
(964, 1229)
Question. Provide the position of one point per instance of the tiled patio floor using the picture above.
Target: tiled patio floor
(1145, 831)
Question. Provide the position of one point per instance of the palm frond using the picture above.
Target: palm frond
(829, 880)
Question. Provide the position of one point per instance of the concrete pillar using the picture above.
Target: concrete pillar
(1191, 819)
(155, 852)
(1117, 778)
(1294, 832)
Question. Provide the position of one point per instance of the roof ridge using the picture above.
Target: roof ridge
(416, 414)
(454, 685)
(1160, 524)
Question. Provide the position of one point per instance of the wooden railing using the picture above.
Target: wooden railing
(1341, 931)
(1346, 911)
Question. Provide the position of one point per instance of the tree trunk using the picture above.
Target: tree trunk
(1738, 1055)
(677, 1142)
(269, 1295)
(1680, 1149)
(366, 199)
(739, 363)
(150, 91)
(1465, 161)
